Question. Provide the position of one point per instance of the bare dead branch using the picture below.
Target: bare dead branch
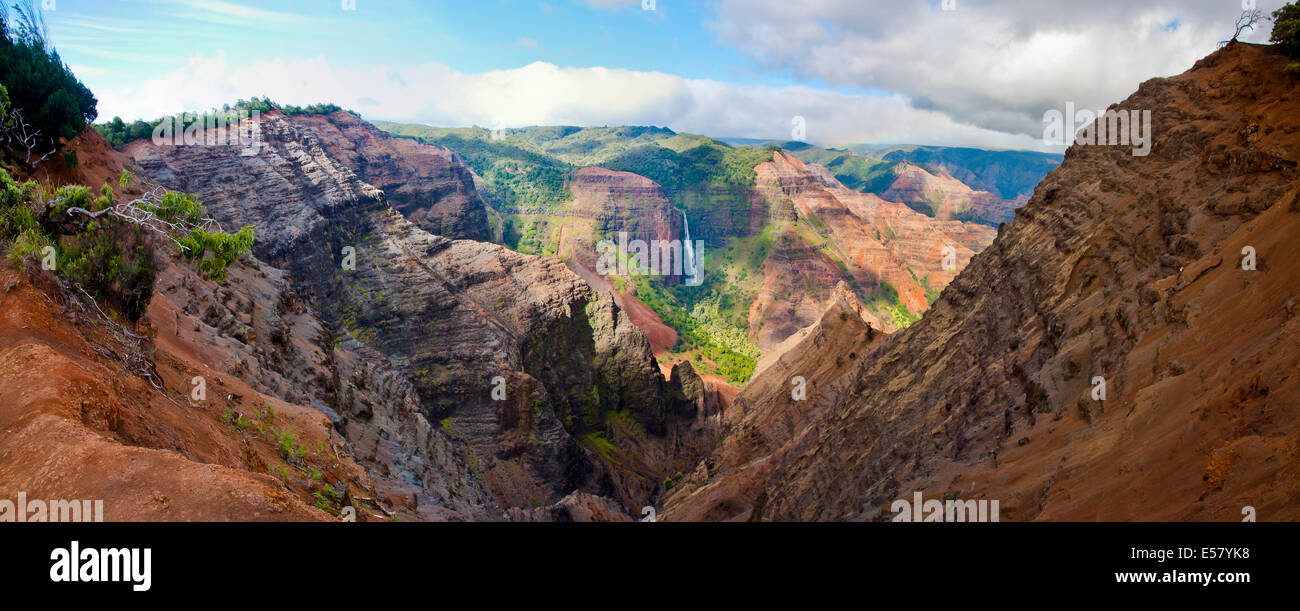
(21, 134)
(134, 212)
(1246, 21)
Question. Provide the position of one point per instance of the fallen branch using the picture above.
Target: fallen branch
(135, 362)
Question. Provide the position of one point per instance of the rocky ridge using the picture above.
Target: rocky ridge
(460, 319)
(1128, 269)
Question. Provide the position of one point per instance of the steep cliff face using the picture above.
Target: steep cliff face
(775, 407)
(257, 329)
(797, 282)
(512, 355)
(828, 233)
(343, 160)
(95, 410)
(430, 185)
(606, 203)
(940, 195)
(1010, 175)
(1120, 268)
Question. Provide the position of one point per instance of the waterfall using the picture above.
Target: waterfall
(689, 247)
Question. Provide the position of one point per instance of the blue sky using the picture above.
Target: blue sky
(854, 70)
(136, 37)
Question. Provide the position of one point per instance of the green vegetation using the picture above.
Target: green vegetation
(586, 146)
(597, 442)
(72, 232)
(516, 176)
(712, 320)
(707, 164)
(525, 169)
(43, 102)
(853, 171)
(884, 300)
(287, 444)
(528, 234)
(524, 173)
(1286, 33)
(118, 132)
(213, 252)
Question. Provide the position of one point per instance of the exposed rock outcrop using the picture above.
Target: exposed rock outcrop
(939, 195)
(257, 329)
(622, 202)
(1123, 268)
(430, 185)
(806, 375)
(848, 235)
(513, 355)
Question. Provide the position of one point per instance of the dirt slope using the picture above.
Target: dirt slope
(1123, 267)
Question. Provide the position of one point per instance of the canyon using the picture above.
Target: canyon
(407, 342)
(1120, 269)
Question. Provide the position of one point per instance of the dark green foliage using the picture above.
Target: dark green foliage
(178, 207)
(312, 109)
(968, 215)
(40, 85)
(732, 365)
(110, 260)
(105, 255)
(515, 176)
(214, 252)
(517, 179)
(1286, 32)
(117, 132)
(712, 164)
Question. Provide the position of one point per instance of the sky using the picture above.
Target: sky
(950, 72)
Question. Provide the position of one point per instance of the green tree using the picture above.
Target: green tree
(1286, 32)
(41, 88)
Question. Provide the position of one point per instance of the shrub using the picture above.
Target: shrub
(1286, 32)
(111, 260)
(214, 252)
(107, 256)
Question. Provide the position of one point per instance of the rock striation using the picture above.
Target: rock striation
(512, 355)
(1121, 269)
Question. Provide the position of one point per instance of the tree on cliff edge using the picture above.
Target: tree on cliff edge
(1286, 33)
(42, 90)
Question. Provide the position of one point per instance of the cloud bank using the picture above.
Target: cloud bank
(545, 94)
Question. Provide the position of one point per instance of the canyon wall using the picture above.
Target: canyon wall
(1121, 269)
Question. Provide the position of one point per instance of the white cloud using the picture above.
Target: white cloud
(609, 5)
(544, 94)
(998, 64)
